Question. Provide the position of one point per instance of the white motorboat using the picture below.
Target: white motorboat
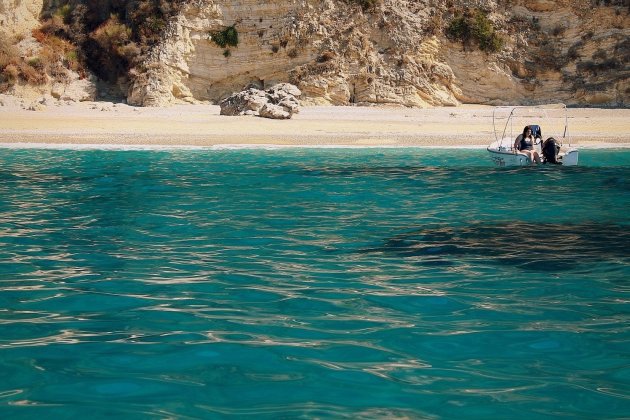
(508, 123)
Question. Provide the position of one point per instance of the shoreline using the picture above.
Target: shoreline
(250, 146)
(103, 125)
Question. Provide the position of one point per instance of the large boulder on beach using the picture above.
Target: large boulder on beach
(285, 95)
(278, 102)
(250, 100)
(281, 91)
(275, 112)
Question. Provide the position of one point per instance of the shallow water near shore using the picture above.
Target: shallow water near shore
(373, 283)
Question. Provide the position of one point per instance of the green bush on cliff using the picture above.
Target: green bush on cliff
(65, 13)
(474, 26)
(226, 37)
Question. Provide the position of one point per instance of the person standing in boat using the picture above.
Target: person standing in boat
(524, 145)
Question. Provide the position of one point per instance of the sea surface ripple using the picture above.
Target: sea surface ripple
(301, 283)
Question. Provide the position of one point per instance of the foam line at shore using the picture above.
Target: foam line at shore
(248, 146)
(243, 146)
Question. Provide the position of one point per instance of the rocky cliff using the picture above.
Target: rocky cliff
(334, 51)
(18, 17)
(37, 69)
(391, 52)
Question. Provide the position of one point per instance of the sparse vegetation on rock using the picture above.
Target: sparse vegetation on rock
(108, 38)
(474, 27)
(228, 37)
(367, 4)
(13, 67)
(157, 52)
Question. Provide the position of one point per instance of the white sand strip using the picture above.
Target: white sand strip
(193, 126)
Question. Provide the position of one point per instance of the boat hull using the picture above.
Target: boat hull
(509, 158)
(501, 158)
(569, 158)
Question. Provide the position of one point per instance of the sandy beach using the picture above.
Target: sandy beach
(103, 123)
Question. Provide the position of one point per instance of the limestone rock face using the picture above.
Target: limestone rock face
(75, 89)
(19, 17)
(396, 53)
(575, 51)
(331, 50)
(556, 51)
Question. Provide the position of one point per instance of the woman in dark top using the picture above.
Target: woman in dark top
(524, 144)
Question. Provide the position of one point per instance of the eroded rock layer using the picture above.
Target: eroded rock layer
(395, 52)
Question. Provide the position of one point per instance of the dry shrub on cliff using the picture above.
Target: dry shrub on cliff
(112, 48)
(53, 26)
(7, 50)
(61, 36)
(367, 4)
(9, 71)
(435, 24)
(32, 72)
(9, 77)
(15, 68)
(147, 19)
(473, 26)
(57, 53)
(110, 36)
(21, 70)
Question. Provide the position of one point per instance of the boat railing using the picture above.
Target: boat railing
(509, 123)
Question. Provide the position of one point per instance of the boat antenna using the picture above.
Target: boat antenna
(566, 124)
(494, 125)
(509, 121)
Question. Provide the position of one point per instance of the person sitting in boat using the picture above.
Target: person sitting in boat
(524, 145)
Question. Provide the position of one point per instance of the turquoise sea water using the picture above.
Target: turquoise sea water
(303, 283)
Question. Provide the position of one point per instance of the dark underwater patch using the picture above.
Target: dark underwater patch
(540, 247)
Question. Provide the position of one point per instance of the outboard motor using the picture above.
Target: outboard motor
(550, 150)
